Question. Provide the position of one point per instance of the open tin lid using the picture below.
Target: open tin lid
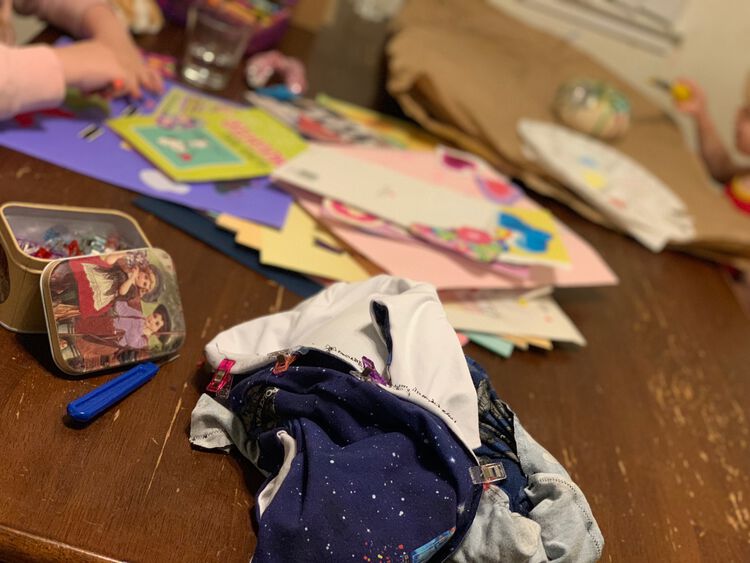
(110, 310)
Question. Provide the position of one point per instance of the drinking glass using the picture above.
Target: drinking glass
(215, 43)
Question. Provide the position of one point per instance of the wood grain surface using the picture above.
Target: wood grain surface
(650, 418)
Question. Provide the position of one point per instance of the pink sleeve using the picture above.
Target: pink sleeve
(65, 14)
(30, 78)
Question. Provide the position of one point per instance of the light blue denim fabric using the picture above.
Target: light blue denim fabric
(560, 527)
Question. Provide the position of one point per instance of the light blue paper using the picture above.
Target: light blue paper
(493, 343)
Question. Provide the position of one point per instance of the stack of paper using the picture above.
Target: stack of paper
(194, 139)
(473, 227)
(403, 188)
(619, 187)
(504, 319)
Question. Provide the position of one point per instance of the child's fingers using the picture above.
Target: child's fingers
(158, 82)
(152, 80)
(688, 106)
(689, 82)
(133, 89)
(122, 89)
(147, 83)
(695, 89)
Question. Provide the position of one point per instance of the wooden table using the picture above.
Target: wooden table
(651, 418)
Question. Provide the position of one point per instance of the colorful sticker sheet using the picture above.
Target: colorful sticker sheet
(216, 146)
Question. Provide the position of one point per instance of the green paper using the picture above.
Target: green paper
(77, 100)
(491, 342)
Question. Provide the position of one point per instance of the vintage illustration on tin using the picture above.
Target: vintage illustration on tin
(116, 308)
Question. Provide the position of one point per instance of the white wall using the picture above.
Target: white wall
(715, 52)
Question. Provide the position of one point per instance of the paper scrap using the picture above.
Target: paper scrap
(297, 247)
(493, 343)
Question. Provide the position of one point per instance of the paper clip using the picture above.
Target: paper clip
(283, 361)
(490, 473)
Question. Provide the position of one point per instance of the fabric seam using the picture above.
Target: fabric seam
(589, 519)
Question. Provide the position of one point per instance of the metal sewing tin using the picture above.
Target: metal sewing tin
(20, 303)
(111, 310)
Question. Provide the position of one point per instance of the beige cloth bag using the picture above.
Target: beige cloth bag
(468, 72)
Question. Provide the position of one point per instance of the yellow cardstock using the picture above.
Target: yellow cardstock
(294, 247)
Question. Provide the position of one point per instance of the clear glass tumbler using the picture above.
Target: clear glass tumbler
(215, 43)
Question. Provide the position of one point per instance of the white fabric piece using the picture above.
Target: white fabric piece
(269, 491)
(213, 426)
(427, 365)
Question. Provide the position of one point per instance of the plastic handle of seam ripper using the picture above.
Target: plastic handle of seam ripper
(91, 404)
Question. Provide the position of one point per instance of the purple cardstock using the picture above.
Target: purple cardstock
(58, 137)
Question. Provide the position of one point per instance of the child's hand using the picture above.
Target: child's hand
(102, 24)
(90, 66)
(695, 105)
(128, 55)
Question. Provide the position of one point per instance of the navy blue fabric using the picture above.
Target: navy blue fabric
(373, 474)
(497, 433)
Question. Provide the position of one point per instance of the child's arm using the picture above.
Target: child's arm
(712, 149)
(718, 161)
(35, 77)
(95, 19)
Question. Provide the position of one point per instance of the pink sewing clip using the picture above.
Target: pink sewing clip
(221, 381)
